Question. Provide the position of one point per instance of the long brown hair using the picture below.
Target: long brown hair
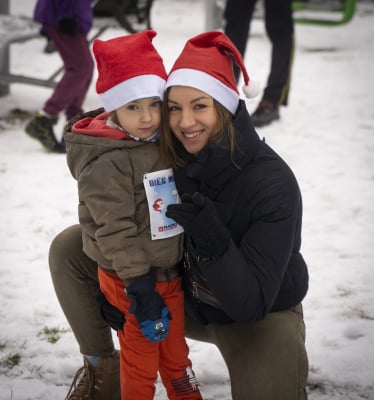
(172, 149)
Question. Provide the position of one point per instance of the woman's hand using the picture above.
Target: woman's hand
(199, 219)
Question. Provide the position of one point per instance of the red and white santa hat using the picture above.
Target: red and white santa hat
(129, 68)
(205, 63)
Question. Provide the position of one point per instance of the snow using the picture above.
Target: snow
(327, 137)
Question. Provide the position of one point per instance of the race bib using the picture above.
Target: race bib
(161, 191)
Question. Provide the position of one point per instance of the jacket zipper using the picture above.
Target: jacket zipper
(200, 293)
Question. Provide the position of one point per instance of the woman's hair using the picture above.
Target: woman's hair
(114, 117)
(172, 149)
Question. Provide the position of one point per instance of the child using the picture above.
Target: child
(111, 154)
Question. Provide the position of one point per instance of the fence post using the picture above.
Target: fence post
(4, 87)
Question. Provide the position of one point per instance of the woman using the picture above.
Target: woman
(241, 210)
(244, 276)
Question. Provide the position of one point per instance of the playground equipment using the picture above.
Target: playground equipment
(132, 15)
(323, 12)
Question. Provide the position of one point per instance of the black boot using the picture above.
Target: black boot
(265, 113)
(41, 128)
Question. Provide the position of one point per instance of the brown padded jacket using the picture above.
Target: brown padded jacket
(113, 209)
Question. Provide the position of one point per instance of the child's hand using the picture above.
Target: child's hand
(157, 330)
(149, 309)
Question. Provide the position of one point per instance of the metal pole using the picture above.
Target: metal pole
(4, 88)
(213, 15)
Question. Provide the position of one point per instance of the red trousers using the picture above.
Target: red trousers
(141, 359)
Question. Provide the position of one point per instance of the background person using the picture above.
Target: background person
(66, 23)
(279, 27)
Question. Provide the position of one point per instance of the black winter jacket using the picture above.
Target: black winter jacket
(259, 201)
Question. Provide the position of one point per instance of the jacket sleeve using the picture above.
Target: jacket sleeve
(106, 189)
(248, 277)
(66, 9)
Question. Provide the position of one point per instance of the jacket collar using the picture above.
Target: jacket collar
(214, 166)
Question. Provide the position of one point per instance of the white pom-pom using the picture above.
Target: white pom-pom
(251, 90)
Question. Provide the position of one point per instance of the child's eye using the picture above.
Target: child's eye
(156, 104)
(132, 107)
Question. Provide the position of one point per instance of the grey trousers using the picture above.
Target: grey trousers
(266, 359)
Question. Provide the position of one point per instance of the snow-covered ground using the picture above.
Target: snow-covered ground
(326, 135)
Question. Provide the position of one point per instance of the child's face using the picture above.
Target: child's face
(140, 118)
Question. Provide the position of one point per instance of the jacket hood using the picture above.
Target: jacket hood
(87, 137)
(96, 126)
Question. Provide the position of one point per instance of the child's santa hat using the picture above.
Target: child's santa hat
(206, 64)
(129, 68)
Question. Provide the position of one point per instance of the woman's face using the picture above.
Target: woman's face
(192, 117)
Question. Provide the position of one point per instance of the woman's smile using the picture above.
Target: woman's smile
(192, 134)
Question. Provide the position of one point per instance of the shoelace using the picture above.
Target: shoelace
(85, 384)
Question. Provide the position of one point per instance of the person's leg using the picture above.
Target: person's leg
(139, 356)
(238, 16)
(266, 359)
(280, 30)
(87, 67)
(71, 90)
(197, 331)
(75, 279)
(175, 366)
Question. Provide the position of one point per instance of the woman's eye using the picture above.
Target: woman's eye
(172, 108)
(199, 106)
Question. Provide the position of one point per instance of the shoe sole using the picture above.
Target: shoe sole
(34, 136)
(259, 124)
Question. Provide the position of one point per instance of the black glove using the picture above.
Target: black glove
(149, 309)
(199, 219)
(68, 26)
(111, 315)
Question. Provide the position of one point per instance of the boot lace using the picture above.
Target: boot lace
(83, 384)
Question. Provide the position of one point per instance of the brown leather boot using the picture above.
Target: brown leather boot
(100, 383)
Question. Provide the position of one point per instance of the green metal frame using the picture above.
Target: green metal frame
(336, 12)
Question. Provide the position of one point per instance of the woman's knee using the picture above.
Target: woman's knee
(64, 244)
(264, 352)
(68, 264)
(67, 259)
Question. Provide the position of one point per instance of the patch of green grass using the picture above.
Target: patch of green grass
(52, 335)
(11, 361)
